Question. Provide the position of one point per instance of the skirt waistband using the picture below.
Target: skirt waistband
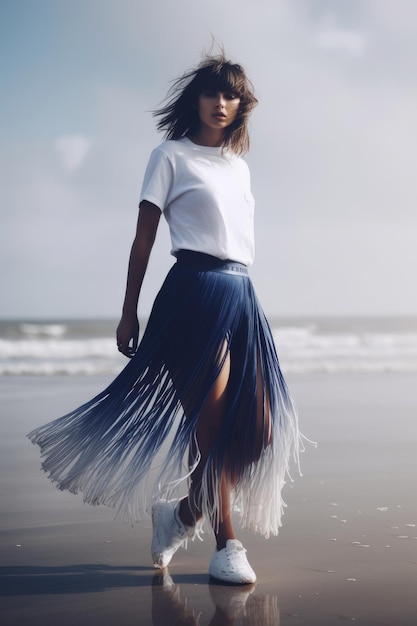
(206, 262)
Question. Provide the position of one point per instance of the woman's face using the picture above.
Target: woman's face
(218, 109)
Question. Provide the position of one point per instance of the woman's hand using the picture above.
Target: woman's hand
(127, 335)
(128, 330)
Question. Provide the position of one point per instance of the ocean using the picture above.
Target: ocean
(326, 345)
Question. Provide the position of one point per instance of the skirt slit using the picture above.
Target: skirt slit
(206, 311)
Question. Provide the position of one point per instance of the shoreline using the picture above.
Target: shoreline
(62, 560)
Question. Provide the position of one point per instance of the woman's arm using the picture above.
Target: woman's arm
(128, 329)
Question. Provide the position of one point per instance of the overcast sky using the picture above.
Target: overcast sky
(333, 156)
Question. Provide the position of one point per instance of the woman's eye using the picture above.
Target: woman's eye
(228, 95)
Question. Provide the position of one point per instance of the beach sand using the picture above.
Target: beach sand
(347, 551)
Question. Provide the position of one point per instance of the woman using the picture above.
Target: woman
(206, 362)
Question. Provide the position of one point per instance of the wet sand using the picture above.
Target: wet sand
(347, 551)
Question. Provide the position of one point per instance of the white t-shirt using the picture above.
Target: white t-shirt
(206, 198)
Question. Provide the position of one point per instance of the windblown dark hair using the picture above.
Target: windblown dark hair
(179, 116)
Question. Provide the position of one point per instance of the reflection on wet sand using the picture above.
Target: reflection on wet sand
(232, 605)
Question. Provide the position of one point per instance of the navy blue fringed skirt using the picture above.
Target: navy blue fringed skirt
(206, 312)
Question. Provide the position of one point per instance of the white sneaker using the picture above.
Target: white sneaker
(231, 565)
(169, 532)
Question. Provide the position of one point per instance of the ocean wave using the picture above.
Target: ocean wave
(50, 330)
(57, 348)
(59, 368)
(337, 367)
(90, 368)
(76, 349)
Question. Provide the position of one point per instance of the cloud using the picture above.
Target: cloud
(352, 43)
(331, 37)
(72, 149)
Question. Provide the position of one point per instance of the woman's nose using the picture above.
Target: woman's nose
(220, 100)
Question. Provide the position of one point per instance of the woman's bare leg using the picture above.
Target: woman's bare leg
(209, 424)
(224, 530)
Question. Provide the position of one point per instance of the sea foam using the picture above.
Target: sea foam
(322, 345)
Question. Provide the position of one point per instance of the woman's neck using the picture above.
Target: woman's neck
(209, 137)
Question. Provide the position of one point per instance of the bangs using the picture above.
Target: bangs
(221, 77)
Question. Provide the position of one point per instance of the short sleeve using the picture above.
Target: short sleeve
(157, 180)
